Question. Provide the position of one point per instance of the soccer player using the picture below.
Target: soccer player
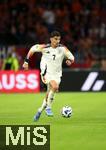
(51, 68)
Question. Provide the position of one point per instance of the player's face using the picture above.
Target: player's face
(55, 40)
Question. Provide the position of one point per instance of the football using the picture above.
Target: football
(66, 111)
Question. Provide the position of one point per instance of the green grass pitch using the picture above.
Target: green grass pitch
(85, 130)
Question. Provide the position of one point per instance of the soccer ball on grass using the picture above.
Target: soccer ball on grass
(66, 111)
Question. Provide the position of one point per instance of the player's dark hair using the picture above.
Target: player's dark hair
(55, 33)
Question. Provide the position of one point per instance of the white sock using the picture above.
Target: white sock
(48, 102)
(50, 98)
(43, 106)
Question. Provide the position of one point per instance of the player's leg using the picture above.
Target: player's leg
(50, 95)
(53, 87)
(38, 114)
(43, 68)
(43, 106)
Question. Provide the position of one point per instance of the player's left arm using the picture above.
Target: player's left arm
(69, 56)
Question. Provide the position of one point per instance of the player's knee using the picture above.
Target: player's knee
(55, 88)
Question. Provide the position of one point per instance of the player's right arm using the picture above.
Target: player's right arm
(33, 49)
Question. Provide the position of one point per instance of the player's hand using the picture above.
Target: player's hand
(68, 62)
(25, 66)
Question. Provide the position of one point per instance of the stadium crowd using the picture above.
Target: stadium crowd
(82, 23)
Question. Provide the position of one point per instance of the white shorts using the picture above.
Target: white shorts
(47, 78)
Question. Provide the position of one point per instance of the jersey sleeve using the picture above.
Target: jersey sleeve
(37, 48)
(68, 54)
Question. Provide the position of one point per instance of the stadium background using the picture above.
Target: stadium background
(82, 24)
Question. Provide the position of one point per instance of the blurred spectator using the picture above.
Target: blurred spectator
(24, 23)
(103, 64)
(11, 61)
(49, 18)
(85, 51)
(102, 30)
(76, 7)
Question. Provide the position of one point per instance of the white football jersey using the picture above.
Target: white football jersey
(52, 58)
